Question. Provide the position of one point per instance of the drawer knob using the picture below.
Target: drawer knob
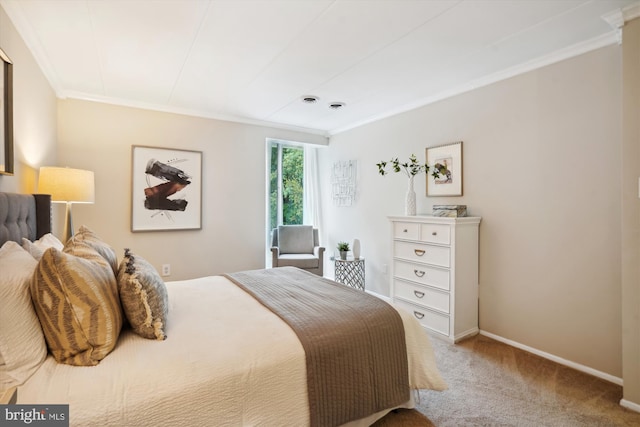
(418, 314)
(405, 231)
(418, 273)
(434, 233)
(419, 252)
(418, 294)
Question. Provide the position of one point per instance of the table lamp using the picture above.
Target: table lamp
(68, 186)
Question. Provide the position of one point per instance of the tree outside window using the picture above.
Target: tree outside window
(286, 185)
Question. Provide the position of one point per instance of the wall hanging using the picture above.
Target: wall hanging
(447, 161)
(167, 189)
(6, 114)
(343, 182)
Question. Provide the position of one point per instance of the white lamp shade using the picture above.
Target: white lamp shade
(67, 185)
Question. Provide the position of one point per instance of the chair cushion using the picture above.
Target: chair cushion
(298, 260)
(295, 239)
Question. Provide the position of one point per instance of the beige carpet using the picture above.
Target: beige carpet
(493, 384)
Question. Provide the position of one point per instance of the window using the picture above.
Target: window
(286, 184)
(292, 187)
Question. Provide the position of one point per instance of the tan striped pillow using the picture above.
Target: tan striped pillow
(77, 302)
(86, 239)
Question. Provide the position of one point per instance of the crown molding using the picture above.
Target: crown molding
(617, 18)
(189, 112)
(631, 12)
(552, 58)
(33, 44)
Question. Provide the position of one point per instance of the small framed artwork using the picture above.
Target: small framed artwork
(166, 189)
(6, 115)
(447, 160)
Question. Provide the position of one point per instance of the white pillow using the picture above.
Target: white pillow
(37, 248)
(22, 342)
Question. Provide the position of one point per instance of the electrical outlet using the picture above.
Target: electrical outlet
(166, 269)
(384, 268)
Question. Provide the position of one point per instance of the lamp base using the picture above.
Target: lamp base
(68, 224)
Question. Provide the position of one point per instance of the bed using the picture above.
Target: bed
(228, 357)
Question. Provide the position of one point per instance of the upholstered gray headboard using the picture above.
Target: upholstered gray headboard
(24, 215)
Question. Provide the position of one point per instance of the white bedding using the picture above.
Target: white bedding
(227, 361)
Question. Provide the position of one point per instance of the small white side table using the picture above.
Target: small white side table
(350, 272)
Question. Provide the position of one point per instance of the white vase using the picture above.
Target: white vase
(356, 249)
(410, 203)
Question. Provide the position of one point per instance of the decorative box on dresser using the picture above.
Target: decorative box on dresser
(434, 272)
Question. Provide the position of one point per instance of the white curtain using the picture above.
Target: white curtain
(311, 200)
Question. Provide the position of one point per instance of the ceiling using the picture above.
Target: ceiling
(253, 60)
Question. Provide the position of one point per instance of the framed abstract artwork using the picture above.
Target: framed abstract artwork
(447, 160)
(166, 189)
(6, 115)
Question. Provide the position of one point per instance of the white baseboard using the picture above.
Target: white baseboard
(560, 360)
(466, 334)
(630, 405)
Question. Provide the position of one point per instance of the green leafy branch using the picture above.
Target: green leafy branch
(410, 168)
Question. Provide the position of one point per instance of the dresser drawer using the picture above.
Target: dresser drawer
(436, 277)
(435, 233)
(436, 255)
(427, 318)
(406, 230)
(420, 295)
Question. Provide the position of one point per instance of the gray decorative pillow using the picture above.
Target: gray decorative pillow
(295, 239)
(143, 295)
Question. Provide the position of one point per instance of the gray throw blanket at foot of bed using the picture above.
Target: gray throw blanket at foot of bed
(354, 342)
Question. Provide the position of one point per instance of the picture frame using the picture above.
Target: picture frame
(6, 115)
(449, 157)
(166, 190)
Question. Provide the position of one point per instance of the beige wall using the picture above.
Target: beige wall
(631, 214)
(542, 155)
(34, 113)
(99, 137)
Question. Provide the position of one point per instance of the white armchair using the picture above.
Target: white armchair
(297, 246)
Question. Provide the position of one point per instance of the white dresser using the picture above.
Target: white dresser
(434, 272)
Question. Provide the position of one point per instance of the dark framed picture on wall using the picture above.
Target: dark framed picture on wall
(447, 160)
(166, 189)
(6, 114)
